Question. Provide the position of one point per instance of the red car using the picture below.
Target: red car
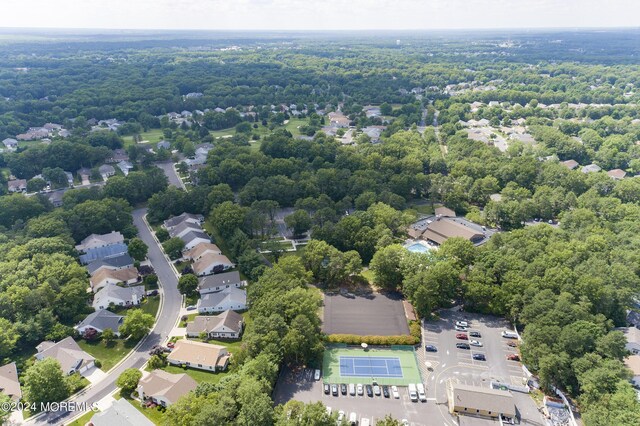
(462, 336)
(171, 345)
(513, 357)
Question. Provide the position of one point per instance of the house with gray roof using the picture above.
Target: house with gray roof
(120, 413)
(184, 228)
(228, 299)
(219, 282)
(10, 143)
(100, 240)
(591, 168)
(118, 296)
(184, 217)
(164, 145)
(192, 238)
(9, 383)
(120, 261)
(227, 325)
(99, 321)
(106, 171)
(125, 166)
(72, 359)
(17, 185)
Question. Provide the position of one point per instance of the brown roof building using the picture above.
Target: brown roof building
(442, 229)
(445, 212)
(617, 174)
(9, 383)
(200, 250)
(202, 356)
(165, 388)
(113, 276)
(570, 164)
(479, 401)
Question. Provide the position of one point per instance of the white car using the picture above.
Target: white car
(421, 392)
(328, 410)
(405, 422)
(340, 416)
(460, 328)
(475, 343)
(360, 389)
(462, 324)
(394, 392)
(352, 389)
(316, 375)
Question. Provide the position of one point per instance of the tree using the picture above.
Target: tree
(156, 361)
(188, 284)
(44, 382)
(36, 185)
(228, 217)
(388, 421)
(162, 235)
(386, 266)
(299, 222)
(296, 413)
(136, 324)
(137, 249)
(4, 414)
(108, 335)
(173, 247)
(128, 380)
(8, 338)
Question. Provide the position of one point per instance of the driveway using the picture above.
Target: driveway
(170, 171)
(166, 320)
(94, 375)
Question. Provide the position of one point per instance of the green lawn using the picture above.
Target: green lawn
(81, 421)
(368, 275)
(151, 305)
(107, 355)
(153, 136)
(294, 123)
(223, 132)
(156, 416)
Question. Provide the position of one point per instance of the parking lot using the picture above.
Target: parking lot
(301, 386)
(373, 314)
(452, 363)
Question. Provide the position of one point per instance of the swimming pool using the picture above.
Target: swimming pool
(418, 248)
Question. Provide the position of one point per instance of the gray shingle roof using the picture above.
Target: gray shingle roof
(101, 320)
(122, 293)
(235, 295)
(119, 261)
(190, 236)
(183, 226)
(218, 280)
(175, 221)
(103, 252)
(121, 413)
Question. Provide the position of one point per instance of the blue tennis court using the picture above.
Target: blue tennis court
(364, 366)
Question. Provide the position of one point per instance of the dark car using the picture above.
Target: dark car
(463, 346)
(334, 390)
(430, 348)
(513, 357)
(385, 391)
(512, 344)
(475, 334)
(369, 391)
(327, 389)
(479, 357)
(343, 389)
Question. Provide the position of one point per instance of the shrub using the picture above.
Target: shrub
(352, 339)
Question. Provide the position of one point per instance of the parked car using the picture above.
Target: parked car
(353, 419)
(343, 389)
(376, 389)
(327, 389)
(463, 346)
(394, 391)
(475, 343)
(430, 348)
(421, 393)
(460, 328)
(475, 334)
(509, 335)
(152, 293)
(369, 391)
(462, 324)
(413, 392)
(316, 375)
(462, 336)
(479, 357)
(191, 307)
(334, 389)
(364, 421)
(405, 422)
(171, 345)
(328, 410)
(360, 389)
(352, 389)
(512, 344)
(513, 357)
(385, 391)
(340, 416)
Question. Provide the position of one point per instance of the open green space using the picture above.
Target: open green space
(154, 414)
(83, 420)
(108, 354)
(405, 354)
(151, 305)
(152, 135)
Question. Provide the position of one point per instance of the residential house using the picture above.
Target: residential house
(99, 321)
(114, 263)
(118, 296)
(125, 166)
(100, 240)
(104, 277)
(118, 156)
(17, 185)
(338, 119)
(591, 168)
(55, 198)
(229, 298)
(10, 143)
(120, 413)
(184, 217)
(164, 145)
(164, 388)
(444, 212)
(193, 238)
(227, 325)
(72, 359)
(570, 164)
(633, 346)
(183, 229)
(373, 132)
(211, 263)
(103, 252)
(9, 383)
(193, 95)
(106, 171)
(203, 356)
(219, 282)
(617, 174)
(200, 250)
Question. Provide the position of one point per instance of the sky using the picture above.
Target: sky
(319, 15)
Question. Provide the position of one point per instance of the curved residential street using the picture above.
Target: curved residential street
(169, 312)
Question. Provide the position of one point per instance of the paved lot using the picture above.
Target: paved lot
(458, 364)
(299, 385)
(370, 315)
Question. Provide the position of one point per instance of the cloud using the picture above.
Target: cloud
(305, 14)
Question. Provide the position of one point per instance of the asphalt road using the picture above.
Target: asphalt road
(168, 169)
(170, 310)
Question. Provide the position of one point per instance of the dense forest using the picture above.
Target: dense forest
(566, 285)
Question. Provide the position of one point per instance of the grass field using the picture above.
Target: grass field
(107, 355)
(81, 421)
(407, 358)
(153, 136)
(151, 305)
